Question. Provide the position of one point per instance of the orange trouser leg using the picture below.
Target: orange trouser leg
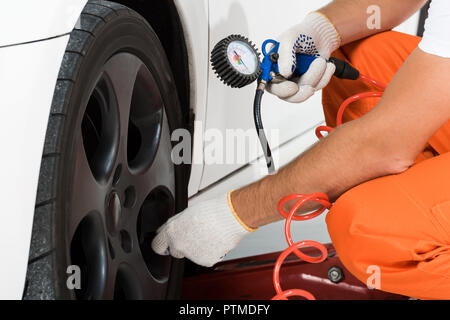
(399, 224)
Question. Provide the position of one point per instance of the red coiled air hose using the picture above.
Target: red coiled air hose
(320, 198)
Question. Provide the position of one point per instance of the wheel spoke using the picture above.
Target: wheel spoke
(108, 292)
(161, 172)
(122, 70)
(87, 194)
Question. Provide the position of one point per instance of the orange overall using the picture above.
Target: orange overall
(398, 225)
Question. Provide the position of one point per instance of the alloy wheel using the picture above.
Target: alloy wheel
(123, 186)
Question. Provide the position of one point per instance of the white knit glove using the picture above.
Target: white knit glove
(203, 233)
(315, 36)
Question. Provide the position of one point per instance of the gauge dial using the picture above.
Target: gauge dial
(242, 57)
(236, 61)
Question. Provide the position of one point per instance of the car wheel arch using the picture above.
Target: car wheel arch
(164, 18)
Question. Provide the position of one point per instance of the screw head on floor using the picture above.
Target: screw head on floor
(335, 274)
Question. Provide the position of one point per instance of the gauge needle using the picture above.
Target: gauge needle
(240, 59)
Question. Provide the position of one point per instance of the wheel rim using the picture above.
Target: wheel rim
(123, 186)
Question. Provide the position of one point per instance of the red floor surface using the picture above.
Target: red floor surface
(251, 279)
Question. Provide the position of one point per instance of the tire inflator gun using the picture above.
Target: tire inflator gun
(236, 62)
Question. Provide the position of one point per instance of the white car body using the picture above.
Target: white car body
(31, 52)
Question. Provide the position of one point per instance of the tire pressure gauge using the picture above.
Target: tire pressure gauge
(236, 61)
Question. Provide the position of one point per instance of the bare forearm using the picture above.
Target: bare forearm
(350, 17)
(332, 166)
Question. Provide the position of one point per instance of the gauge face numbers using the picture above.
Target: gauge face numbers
(242, 57)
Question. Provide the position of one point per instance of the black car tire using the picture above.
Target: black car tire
(116, 102)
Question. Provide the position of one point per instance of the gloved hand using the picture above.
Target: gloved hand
(315, 36)
(203, 233)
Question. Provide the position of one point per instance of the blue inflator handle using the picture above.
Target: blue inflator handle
(270, 64)
(344, 70)
(303, 63)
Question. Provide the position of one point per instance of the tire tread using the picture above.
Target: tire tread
(40, 272)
